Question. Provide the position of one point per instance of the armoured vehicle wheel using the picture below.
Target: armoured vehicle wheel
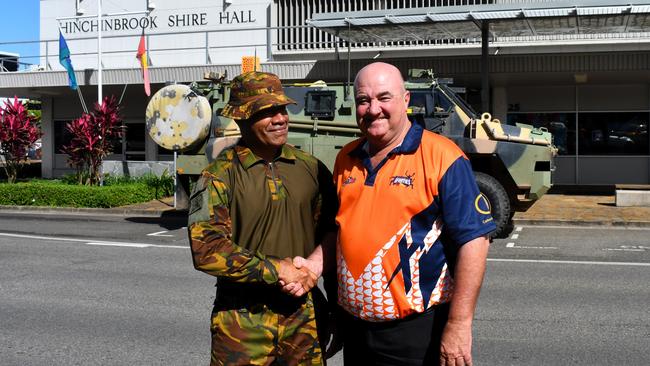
(499, 202)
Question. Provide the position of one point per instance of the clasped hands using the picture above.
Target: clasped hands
(298, 275)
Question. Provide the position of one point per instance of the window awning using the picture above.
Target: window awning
(505, 20)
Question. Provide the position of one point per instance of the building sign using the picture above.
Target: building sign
(160, 22)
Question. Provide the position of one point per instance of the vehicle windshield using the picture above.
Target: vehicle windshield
(463, 105)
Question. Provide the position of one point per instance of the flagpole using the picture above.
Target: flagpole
(99, 52)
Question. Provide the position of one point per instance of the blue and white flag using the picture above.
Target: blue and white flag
(64, 60)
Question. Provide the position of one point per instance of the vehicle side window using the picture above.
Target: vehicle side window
(442, 103)
(422, 103)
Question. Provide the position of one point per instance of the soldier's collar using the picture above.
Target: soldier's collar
(247, 157)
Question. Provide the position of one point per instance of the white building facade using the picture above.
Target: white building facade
(587, 81)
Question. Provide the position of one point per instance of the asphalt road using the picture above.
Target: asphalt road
(122, 291)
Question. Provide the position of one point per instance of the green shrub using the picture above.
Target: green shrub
(163, 186)
(59, 194)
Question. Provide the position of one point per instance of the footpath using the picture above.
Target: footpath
(551, 209)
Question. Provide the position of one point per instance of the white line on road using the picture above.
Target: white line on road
(624, 250)
(510, 245)
(92, 242)
(132, 245)
(160, 233)
(569, 262)
(519, 228)
(514, 236)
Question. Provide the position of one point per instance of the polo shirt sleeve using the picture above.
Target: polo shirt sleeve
(464, 210)
(327, 203)
(210, 232)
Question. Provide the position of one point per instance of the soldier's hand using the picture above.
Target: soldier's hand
(295, 281)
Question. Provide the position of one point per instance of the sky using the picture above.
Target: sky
(19, 21)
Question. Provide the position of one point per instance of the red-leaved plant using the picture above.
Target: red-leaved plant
(18, 132)
(93, 138)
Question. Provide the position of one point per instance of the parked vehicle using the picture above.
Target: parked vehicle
(512, 164)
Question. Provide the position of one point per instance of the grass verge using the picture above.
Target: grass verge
(59, 194)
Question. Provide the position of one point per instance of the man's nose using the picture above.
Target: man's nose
(279, 118)
(374, 107)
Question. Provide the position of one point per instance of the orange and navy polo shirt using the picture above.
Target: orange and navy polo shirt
(402, 223)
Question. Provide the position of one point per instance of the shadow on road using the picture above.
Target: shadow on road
(169, 220)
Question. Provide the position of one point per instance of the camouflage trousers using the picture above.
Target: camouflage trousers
(267, 333)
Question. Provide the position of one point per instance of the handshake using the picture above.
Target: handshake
(299, 275)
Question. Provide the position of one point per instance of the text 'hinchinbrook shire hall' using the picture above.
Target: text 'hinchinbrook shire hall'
(577, 68)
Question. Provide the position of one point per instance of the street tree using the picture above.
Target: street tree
(19, 131)
(93, 137)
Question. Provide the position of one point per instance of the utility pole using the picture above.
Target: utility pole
(99, 52)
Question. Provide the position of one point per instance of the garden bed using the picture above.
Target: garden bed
(56, 193)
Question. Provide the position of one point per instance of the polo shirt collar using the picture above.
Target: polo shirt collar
(247, 157)
(409, 144)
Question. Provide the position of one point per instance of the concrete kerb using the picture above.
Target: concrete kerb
(115, 211)
(578, 223)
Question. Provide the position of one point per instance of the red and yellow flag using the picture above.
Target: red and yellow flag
(142, 56)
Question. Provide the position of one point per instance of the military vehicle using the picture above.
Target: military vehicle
(512, 164)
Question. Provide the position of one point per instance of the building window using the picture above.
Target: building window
(613, 133)
(134, 141)
(61, 136)
(560, 124)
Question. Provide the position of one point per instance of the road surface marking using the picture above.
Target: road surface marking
(92, 242)
(512, 245)
(514, 236)
(160, 233)
(133, 245)
(569, 262)
(623, 250)
(629, 248)
(519, 228)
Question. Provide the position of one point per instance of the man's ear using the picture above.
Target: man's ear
(407, 97)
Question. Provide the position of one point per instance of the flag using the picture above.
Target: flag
(142, 56)
(64, 60)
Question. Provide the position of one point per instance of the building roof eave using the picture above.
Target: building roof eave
(36, 83)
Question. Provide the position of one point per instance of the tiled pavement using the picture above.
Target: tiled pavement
(559, 209)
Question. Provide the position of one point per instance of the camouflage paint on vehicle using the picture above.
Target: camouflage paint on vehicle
(177, 118)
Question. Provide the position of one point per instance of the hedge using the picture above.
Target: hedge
(42, 193)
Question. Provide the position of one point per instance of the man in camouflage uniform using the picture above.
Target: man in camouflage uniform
(260, 201)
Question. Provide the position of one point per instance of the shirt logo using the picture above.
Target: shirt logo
(349, 180)
(404, 180)
(482, 204)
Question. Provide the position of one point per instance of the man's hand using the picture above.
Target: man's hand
(456, 345)
(295, 281)
(314, 265)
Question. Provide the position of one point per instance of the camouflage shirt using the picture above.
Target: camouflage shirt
(246, 213)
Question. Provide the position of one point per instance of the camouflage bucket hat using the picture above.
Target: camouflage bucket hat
(252, 92)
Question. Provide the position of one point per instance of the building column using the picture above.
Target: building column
(47, 140)
(150, 148)
(500, 104)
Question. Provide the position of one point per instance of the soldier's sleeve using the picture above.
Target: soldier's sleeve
(210, 232)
